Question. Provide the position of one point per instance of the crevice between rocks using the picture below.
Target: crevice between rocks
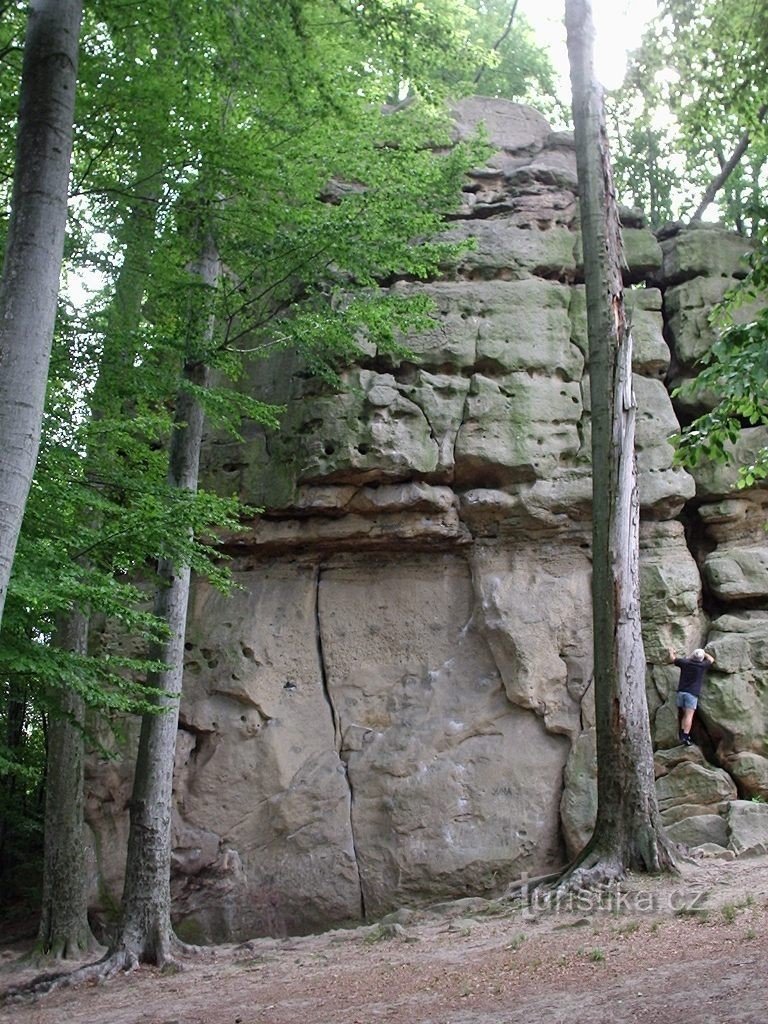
(336, 729)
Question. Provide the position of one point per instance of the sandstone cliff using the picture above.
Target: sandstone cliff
(395, 704)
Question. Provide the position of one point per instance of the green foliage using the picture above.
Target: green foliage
(735, 372)
(517, 68)
(261, 126)
(693, 88)
(694, 94)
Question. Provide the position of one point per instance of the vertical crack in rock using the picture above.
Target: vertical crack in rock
(321, 663)
(336, 730)
(464, 408)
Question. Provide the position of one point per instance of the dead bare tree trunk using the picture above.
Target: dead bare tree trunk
(30, 284)
(628, 832)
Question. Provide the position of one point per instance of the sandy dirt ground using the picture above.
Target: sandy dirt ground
(692, 948)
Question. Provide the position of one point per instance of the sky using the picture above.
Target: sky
(618, 26)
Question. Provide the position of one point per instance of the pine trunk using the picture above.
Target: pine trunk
(146, 933)
(30, 284)
(628, 832)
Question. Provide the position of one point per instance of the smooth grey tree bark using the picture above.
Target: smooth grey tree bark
(64, 929)
(145, 933)
(628, 832)
(35, 244)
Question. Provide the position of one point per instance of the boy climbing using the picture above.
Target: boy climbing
(692, 673)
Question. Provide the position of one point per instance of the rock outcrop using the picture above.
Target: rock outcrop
(395, 703)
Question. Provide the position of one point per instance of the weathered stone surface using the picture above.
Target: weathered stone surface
(707, 251)
(718, 480)
(734, 703)
(750, 770)
(513, 252)
(578, 806)
(650, 352)
(544, 656)
(262, 798)
(670, 591)
(395, 704)
(511, 127)
(663, 487)
(748, 828)
(440, 760)
(504, 326)
(370, 431)
(699, 829)
(693, 785)
(688, 307)
(642, 254)
(665, 760)
(733, 573)
(518, 427)
(344, 732)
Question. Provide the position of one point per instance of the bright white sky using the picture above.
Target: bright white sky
(618, 25)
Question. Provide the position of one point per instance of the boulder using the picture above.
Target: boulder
(747, 828)
(750, 770)
(698, 830)
(511, 127)
(734, 573)
(690, 785)
(707, 251)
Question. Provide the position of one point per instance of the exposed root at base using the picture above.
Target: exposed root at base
(594, 872)
(61, 954)
(120, 961)
(525, 885)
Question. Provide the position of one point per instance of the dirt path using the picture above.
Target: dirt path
(690, 949)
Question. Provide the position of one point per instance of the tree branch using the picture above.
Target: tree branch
(500, 40)
(728, 168)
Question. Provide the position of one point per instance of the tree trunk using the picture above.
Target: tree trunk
(64, 930)
(15, 714)
(146, 934)
(628, 832)
(30, 284)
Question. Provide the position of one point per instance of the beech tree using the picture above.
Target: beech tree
(34, 247)
(690, 115)
(283, 99)
(145, 932)
(628, 832)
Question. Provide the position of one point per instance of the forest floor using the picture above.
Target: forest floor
(657, 950)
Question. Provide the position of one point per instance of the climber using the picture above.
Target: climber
(692, 673)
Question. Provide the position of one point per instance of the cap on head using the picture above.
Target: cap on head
(698, 654)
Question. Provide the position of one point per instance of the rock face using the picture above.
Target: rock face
(395, 706)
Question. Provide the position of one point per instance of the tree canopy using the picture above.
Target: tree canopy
(310, 141)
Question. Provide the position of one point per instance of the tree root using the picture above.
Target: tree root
(123, 960)
(40, 957)
(592, 872)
